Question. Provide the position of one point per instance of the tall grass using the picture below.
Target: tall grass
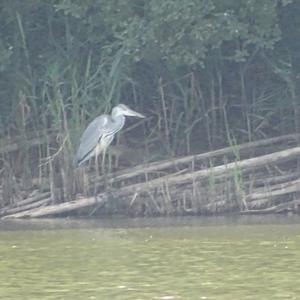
(58, 89)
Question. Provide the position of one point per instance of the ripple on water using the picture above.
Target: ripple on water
(190, 261)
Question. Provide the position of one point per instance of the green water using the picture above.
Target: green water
(217, 258)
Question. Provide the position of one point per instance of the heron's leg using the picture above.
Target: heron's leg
(103, 168)
(103, 162)
(116, 164)
(97, 164)
(96, 170)
(109, 162)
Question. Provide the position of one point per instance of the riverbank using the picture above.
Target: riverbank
(253, 178)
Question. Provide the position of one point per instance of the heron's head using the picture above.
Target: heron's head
(124, 110)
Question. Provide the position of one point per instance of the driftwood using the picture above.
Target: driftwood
(261, 184)
(273, 180)
(37, 197)
(223, 170)
(35, 200)
(175, 162)
(276, 190)
(282, 207)
(59, 208)
(28, 207)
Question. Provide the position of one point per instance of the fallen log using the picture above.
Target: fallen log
(165, 164)
(272, 180)
(287, 206)
(59, 208)
(30, 206)
(34, 198)
(247, 164)
(165, 187)
(277, 190)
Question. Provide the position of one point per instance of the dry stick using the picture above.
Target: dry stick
(213, 111)
(51, 176)
(24, 42)
(164, 108)
(155, 203)
(160, 165)
(260, 204)
(218, 205)
(167, 197)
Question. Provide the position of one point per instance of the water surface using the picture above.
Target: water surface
(187, 258)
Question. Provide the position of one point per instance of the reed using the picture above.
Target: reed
(201, 89)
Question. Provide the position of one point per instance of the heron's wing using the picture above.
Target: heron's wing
(90, 138)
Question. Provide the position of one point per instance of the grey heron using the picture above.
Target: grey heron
(100, 133)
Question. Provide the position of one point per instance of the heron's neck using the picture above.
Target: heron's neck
(116, 113)
(119, 120)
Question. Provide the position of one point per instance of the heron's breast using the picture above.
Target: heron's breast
(106, 139)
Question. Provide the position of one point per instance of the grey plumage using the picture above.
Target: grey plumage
(100, 133)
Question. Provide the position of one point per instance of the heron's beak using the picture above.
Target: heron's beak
(133, 113)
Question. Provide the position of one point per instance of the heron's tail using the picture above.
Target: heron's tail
(75, 163)
(78, 161)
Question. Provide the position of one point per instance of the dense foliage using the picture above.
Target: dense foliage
(206, 72)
